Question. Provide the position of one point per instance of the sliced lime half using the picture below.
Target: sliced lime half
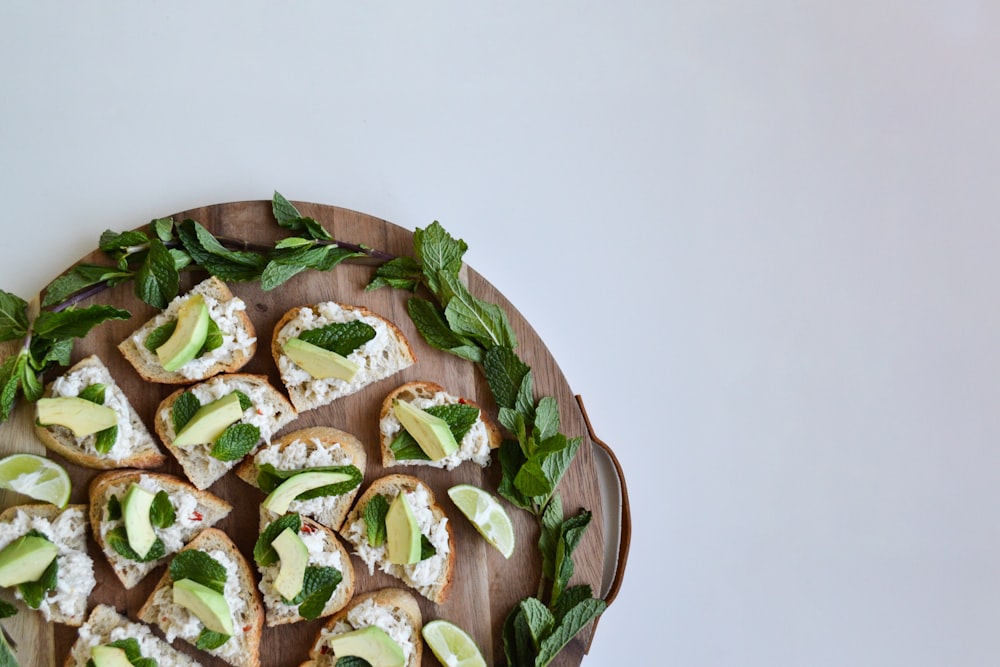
(451, 645)
(486, 514)
(37, 477)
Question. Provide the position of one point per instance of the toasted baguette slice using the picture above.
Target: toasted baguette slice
(67, 528)
(133, 447)
(194, 511)
(476, 445)
(270, 412)
(392, 609)
(106, 625)
(386, 354)
(318, 446)
(243, 648)
(226, 310)
(431, 577)
(325, 550)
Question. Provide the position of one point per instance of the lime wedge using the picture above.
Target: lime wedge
(486, 514)
(36, 477)
(451, 645)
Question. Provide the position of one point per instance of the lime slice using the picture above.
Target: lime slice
(451, 645)
(486, 514)
(36, 477)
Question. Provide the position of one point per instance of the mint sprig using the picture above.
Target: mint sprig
(533, 462)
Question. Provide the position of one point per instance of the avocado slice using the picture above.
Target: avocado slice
(372, 644)
(80, 416)
(109, 656)
(432, 433)
(294, 557)
(209, 606)
(135, 512)
(318, 362)
(210, 421)
(189, 335)
(26, 559)
(402, 534)
(277, 501)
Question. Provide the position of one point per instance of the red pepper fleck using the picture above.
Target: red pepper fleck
(463, 401)
(259, 411)
(307, 529)
(246, 628)
(197, 516)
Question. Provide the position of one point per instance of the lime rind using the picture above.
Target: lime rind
(451, 645)
(487, 515)
(36, 477)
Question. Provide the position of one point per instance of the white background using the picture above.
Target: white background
(760, 237)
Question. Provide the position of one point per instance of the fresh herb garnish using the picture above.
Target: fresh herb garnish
(352, 661)
(184, 408)
(117, 539)
(105, 439)
(235, 442)
(460, 417)
(133, 653)
(269, 478)
(374, 515)
(340, 337)
(33, 592)
(162, 334)
(533, 463)
(208, 639)
(7, 657)
(161, 512)
(114, 508)
(317, 589)
(263, 552)
(198, 566)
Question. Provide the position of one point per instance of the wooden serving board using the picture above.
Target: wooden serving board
(486, 585)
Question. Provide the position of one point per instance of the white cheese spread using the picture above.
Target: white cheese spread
(474, 446)
(367, 614)
(319, 556)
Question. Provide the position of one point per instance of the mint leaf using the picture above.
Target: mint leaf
(269, 478)
(518, 644)
(7, 609)
(93, 393)
(205, 250)
(548, 536)
(163, 228)
(161, 512)
(13, 316)
(157, 281)
(31, 385)
(405, 448)
(130, 646)
(117, 539)
(511, 460)
(426, 548)
(317, 588)
(439, 253)
(460, 417)
(114, 508)
(236, 442)
(75, 322)
(276, 274)
(340, 337)
(263, 552)
(541, 473)
(570, 534)
(348, 661)
(10, 381)
(504, 373)
(81, 277)
(213, 339)
(207, 639)
(572, 622)
(288, 216)
(431, 324)
(570, 597)
(104, 441)
(7, 657)
(34, 592)
(185, 407)
(117, 242)
(485, 323)
(400, 273)
(546, 418)
(539, 618)
(44, 352)
(245, 402)
(374, 515)
(198, 566)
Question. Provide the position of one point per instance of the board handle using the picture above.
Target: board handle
(625, 531)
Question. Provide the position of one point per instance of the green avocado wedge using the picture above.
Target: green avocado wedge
(79, 415)
(371, 643)
(189, 335)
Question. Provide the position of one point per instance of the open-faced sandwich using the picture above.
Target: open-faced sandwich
(398, 527)
(43, 558)
(85, 417)
(314, 471)
(139, 519)
(329, 350)
(210, 426)
(208, 598)
(109, 639)
(422, 424)
(199, 334)
(381, 628)
(304, 571)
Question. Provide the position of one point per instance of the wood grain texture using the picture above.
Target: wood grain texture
(486, 585)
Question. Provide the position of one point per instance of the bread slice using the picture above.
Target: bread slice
(194, 511)
(386, 354)
(325, 550)
(270, 412)
(392, 609)
(483, 437)
(134, 446)
(106, 625)
(243, 648)
(431, 577)
(226, 310)
(318, 446)
(67, 528)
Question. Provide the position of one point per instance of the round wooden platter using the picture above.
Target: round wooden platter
(486, 586)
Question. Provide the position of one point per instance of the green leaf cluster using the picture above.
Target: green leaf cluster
(117, 539)
(534, 634)
(198, 566)
(269, 478)
(265, 554)
(133, 653)
(161, 515)
(235, 442)
(374, 515)
(162, 333)
(460, 417)
(340, 337)
(33, 592)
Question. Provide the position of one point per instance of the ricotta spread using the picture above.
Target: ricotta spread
(149, 645)
(474, 446)
(298, 455)
(319, 556)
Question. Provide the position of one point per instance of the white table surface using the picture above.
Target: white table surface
(760, 238)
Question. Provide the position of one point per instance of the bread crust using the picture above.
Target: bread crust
(102, 620)
(253, 617)
(201, 478)
(424, 389)
(396, 598)
(61, 440)
(341, 595)
(213, 509)
(298, 399)
(150, 373)
(391, 486)
(326, 435)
